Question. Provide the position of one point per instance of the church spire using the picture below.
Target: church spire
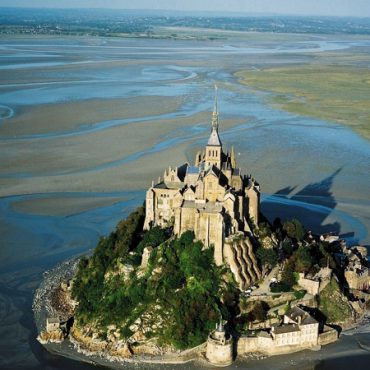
(215, 112)
(214, 138)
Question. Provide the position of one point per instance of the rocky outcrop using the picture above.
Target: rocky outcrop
(55, 336)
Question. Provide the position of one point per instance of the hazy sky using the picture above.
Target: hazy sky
(302, 7)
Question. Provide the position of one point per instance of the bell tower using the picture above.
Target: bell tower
(214, 146)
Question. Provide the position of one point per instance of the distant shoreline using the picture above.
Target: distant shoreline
(158, 24)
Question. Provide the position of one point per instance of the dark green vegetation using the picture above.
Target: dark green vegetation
(279, 236)
(175, 298)
(333, 304)
(178, 294)
(105, 22)
(299, 252)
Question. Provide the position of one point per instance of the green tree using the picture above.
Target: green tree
(182, 290)
(303, 259)
(294, 229)
(267, 256)
(259, 311)
(287, 276)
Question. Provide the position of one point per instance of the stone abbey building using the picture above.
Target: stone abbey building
(213, 199)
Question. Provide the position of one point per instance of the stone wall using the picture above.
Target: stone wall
(329, 335)
(311, 286)
(356, 280)
(266, 345)
(238, 253)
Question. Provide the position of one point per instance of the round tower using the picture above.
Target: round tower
(219, 347)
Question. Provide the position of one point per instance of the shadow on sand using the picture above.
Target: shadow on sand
(345, 363)
(311, 205)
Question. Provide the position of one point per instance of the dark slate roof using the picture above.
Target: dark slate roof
(160, 185)
(181, 171)
(295, 312)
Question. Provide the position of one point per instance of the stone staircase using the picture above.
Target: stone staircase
(239, 255)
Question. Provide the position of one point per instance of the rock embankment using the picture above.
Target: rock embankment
(53, 303)
(53, 300)
(55, 336)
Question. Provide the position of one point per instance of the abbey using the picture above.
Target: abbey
(213, 199)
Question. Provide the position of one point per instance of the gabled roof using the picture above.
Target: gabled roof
(213, 170)
(296, 312)
(189, 189)
(287, 328)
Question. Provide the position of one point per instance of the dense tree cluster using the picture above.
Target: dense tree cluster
(178, 298)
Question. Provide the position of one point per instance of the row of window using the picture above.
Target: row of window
(213, 153)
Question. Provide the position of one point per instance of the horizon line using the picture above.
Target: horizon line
(233, 13)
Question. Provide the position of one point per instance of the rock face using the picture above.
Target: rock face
(88, 342)
(145, 257)
(55, 336)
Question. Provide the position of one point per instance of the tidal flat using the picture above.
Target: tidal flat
(323, 89)
(87, 123)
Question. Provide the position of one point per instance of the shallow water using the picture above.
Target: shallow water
(313, 170)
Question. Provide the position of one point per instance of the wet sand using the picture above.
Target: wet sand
(74, 115)
(85, 138)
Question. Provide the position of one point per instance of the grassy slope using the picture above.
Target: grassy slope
(333, 305)
(338, 93)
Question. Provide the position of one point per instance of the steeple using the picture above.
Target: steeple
(214, 139)
(215, 112)
(214, 146)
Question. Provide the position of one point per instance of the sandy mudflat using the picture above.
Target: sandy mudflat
(72, 154)
(49, 118)
(62, 206)
(80, 186)
(83, 157)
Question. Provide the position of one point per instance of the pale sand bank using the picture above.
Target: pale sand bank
(63, 205)
(97, 149)
(50, 118)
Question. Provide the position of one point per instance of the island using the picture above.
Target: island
(198, 272)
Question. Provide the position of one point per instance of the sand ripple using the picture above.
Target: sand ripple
(6, 112)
